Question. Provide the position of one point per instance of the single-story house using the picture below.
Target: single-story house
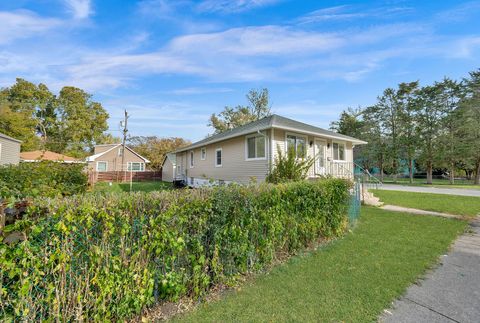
(107, 158)
(39, 155)
(9, 150)
(248, 152)
(168, 167)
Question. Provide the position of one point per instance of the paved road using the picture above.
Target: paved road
(450, 293)
(422, 189)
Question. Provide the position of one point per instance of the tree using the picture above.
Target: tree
(70, 123)
(155, 149)
(469, 111)
(387, 112)
(408, 130)
(449, 153)
(230, 118)
(350, 123)
(20, 106)
(428, 121)
(82, 121)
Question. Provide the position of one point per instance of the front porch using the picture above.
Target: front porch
(341, 169)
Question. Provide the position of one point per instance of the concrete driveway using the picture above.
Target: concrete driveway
(449, 293)
(422, 189)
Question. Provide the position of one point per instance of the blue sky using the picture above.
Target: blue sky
(171, 63)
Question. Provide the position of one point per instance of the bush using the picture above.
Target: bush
(106, 257)
(289, 168)
(46, 179)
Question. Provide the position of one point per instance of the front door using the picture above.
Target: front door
(320, 157)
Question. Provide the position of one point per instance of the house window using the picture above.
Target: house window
(203, 153)
(136, 166)
(256, 147)
(338, 151)
(298, 144)
(120, 151)
(191, 159)
(218, 157)
(101, 166)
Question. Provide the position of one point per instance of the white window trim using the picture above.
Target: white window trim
(203, 149)
(246, 147)
(296, 135)
(129, 167)
(216, 150)
(120, 151)
(191, 159)
(106, 166)
(344, 143)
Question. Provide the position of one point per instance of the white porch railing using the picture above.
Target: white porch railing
(340, 169)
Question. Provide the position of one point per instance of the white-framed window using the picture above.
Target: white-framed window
(102, 166)
(298, 144)
(120, 151)
(218, 157)
(203, 153)
(255, 147)
(338, 151)
(135, 166)
(192, 155)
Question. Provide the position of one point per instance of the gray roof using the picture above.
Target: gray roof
(9, 138)
(273, 121)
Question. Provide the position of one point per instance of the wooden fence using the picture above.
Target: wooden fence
(123, 176)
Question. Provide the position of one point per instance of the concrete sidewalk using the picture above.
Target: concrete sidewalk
(449, 293)
(436, 190)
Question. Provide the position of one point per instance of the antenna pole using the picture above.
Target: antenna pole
(125, 131)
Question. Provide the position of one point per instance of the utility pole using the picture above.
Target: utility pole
(125, 130)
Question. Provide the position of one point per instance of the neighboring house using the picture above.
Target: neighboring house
(248, 152)
(9, 150)
(108, 158)
(39, 155)
(168, 167)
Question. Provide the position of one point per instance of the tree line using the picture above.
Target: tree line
(436, 127)
(71, 123)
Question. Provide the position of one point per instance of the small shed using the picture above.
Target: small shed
(168, 167)
(9, 150)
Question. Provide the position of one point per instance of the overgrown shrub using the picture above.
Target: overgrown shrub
(105, 257)
(289, 168)
(46, 179)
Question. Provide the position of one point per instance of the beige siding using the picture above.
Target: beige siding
(234, 167)
(9, 151)
(114, 161)
(168, 171)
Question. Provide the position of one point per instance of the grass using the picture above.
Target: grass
(453, 204)
(349, 280)
(136, 187)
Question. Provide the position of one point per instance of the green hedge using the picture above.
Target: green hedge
(105, 257)
(46, 179)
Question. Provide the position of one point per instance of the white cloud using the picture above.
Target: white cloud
(232, 6)
(80, 9)
(348, 12)
(23, 24)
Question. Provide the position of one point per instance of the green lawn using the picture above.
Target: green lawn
(136, 187)
(349, 280)
(453, 204)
